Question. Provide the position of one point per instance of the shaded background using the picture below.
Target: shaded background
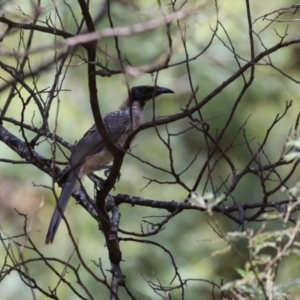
(189, 236)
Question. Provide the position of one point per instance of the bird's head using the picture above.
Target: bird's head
(144, 93)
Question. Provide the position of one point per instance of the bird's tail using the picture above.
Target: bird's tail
(61, 206)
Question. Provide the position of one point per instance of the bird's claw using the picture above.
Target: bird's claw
(107, 171)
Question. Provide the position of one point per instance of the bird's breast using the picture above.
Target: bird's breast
(96, 162)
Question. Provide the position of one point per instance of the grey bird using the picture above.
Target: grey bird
(90, 153)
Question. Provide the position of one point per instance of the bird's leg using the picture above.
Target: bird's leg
(98, 181)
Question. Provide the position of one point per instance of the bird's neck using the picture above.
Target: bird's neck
(134, 110)
(136, 106)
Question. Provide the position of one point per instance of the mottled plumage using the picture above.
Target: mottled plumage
(90, 153)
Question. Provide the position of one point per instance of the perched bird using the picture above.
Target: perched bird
(90, 153)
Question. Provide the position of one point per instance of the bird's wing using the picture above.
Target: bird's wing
(116, 124)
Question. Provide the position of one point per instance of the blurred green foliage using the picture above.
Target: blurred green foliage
(190, 236)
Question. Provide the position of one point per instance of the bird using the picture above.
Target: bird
(90, 153)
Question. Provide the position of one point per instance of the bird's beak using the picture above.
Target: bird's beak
(162, 90)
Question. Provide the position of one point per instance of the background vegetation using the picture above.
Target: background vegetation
(222, 161)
